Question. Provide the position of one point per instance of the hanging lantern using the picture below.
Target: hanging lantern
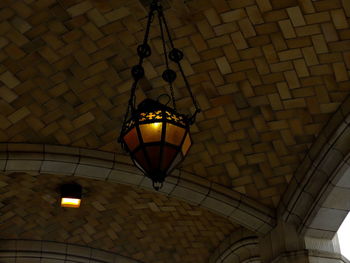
(157, 138)
(155, 135)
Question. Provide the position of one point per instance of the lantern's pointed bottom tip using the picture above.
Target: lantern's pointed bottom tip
(157, 185)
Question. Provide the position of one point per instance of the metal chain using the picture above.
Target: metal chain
(160, 15)
(189, 89)
(145, 41)
(149, 22)
(132, 100)
(130, 107)
(167, 30)
(148, 27)
(181, 71)
(172, 95)
(163, 39)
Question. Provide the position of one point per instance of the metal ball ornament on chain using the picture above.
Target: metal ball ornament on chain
(176, 55)
(169, 75)
(144, 51)
(137, 72)
(156, 136)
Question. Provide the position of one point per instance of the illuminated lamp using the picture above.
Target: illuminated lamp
(71, 195)
(157, 136)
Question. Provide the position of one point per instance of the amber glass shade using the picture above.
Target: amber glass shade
(157, 138)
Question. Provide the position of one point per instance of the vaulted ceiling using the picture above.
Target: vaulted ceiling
(268, 75)
(121, 219)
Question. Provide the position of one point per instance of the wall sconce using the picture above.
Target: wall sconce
(71, 195)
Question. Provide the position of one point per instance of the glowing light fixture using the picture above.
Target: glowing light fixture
(70, 202)
(155, 135)
(71, 195)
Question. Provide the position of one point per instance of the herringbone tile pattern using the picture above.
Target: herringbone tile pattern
(268, 74)
(121, 219)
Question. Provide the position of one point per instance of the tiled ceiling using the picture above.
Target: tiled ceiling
(268, 74)
(121, 219)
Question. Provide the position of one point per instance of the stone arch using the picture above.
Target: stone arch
(317, 199)
(240, 247)
(61, 160)
(19, 250)
(332, 205)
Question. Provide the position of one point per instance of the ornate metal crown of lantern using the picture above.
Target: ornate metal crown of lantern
(155, 135)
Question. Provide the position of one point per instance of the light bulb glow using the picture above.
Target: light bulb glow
(156, 125)
(70, 202)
